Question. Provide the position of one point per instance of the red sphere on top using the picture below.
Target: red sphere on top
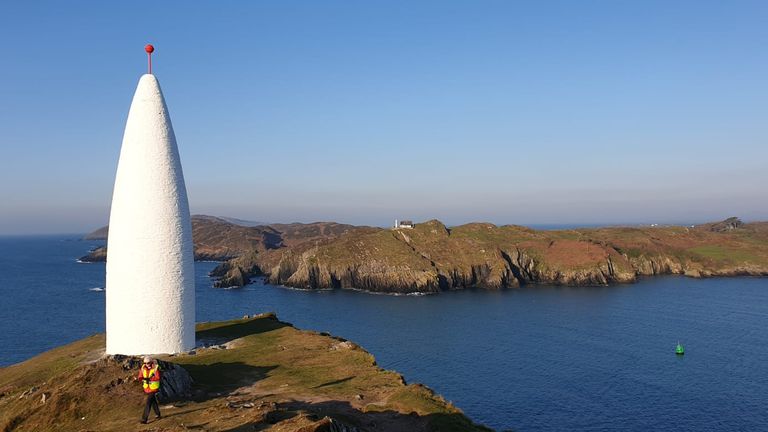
(149, 48)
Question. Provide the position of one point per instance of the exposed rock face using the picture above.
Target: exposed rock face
(236, 272)
(603, 271)
(656, 265)
(175, 381)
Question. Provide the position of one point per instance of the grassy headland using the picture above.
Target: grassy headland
(259, 374)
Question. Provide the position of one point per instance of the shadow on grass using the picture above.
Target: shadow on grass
(387, 420)
(178, 413)
(338, 381)
(216, 379)
(237, 329)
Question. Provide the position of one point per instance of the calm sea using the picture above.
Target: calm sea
(533, 359)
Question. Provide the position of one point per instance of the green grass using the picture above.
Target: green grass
(49, 364)
(720, 253)
(234, 329)
(442, 415)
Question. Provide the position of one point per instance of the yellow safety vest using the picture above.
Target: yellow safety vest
(149, 385)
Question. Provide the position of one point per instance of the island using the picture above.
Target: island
(430, 257)
(254, 373)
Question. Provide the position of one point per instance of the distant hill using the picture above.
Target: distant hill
(218, 239)
(236, 221)
(99, 234)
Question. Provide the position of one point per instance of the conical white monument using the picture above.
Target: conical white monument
(150, 287)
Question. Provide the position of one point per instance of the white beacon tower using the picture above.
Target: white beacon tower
(150, 288)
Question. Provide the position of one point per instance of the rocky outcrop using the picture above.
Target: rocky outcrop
(529, 270)
(653, 265)
(236, 272)
(729, 224)
(98, 254)
(369, 276)
(175, 381)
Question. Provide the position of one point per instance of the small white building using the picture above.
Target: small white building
(403, 224)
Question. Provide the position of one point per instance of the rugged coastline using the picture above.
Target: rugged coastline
(255, 373)
(431, 257)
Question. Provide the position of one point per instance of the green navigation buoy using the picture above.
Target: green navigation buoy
(679, 350)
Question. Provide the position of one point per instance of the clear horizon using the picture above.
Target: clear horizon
(509, 113)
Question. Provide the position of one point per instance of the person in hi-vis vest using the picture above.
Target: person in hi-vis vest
(150, 381)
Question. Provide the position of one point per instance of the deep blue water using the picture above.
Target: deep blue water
(532, 359)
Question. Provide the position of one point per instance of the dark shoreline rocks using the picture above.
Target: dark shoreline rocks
(98, 254)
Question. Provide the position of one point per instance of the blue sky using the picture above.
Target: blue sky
(363, 112)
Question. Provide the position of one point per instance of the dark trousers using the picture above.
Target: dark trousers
(151, 402)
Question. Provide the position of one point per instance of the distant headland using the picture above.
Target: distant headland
(430, 257)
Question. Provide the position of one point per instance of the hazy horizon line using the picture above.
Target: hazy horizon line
(538, 226)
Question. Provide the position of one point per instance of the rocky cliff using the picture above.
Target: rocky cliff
(432, 258)
(250, 374)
